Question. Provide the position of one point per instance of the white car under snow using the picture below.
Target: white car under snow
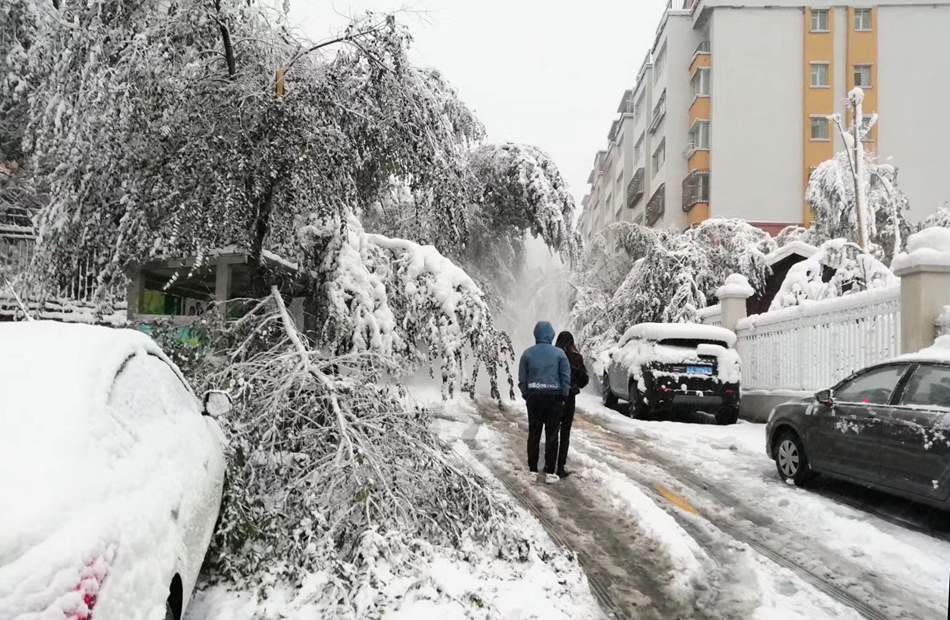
(112, 475)
(669, 367)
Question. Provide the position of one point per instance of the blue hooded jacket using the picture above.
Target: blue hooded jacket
(544, 368)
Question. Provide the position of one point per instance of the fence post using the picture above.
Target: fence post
(732, 299)
(925, 289)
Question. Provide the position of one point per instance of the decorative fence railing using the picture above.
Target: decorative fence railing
(710, 315)
(73, 299)
(810, 347)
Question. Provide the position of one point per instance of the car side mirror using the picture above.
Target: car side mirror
(216, 403)
(825, 397)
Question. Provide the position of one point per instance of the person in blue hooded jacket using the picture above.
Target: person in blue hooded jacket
(544, 378)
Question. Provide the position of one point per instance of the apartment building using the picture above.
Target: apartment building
(729, 111)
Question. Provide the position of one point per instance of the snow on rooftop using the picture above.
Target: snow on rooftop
(676, 331)
(939, 351)
(792, 247)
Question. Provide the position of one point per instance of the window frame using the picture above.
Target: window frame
(638, 148)
(659, 65)
(820, 117)
(818, 64)
(695, 129)
(896, 394)
(654, 158)
(702, 76)
(858, 13)
(854, 75)
(820, 12)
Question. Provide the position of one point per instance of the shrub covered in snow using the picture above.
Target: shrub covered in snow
(838, 268)
(333, 473)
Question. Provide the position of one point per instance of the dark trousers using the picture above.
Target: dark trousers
(567, 419)
(544, 412)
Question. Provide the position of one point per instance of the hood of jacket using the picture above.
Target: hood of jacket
(543, 333)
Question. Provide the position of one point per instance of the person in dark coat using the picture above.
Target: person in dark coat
(544, 378)
(579, 379)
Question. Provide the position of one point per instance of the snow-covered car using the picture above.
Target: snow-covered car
(672, 367)
(112, 475)
(885, 427)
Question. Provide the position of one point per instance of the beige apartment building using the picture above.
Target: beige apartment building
(728, 113)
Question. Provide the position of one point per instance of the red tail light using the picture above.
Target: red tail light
(90, 582)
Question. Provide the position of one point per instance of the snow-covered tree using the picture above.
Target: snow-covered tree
(661, 275)
(940, 217)
(162, 128)
(834, 201)
(839, 268)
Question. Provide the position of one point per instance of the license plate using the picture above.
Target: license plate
(699, 370)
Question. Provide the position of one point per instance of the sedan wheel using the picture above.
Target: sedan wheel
(791, 460)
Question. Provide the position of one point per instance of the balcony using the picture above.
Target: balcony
(695, 189)
(635, 187)
(657, 205)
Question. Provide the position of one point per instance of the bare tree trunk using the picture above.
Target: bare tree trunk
(228, 46)
(261, 226)
(860, 187)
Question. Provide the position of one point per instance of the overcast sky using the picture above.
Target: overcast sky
(534, 71)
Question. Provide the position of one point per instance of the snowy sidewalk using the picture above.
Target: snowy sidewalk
(686, 521)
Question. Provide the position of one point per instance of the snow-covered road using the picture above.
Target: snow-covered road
(675, 520)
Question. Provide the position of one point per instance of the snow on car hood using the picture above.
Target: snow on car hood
(54, 376)
(81, 487)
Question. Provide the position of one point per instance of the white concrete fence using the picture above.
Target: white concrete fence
(797, 351)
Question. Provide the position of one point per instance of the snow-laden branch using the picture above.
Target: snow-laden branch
(396, 297)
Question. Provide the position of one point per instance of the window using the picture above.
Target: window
(659, 64)
(638, 150)
(618, 187)
(659, 156)
(619, 139)
(819, 20)
(865, 130)
(862, 19)
(862, 76)
(819, 128)
(609, 201)
(638, 108)
(700, 82)
(699, 135)
(819, 75)
(873, 387)
(929, 387)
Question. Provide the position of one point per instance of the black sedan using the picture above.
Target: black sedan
(886, 427)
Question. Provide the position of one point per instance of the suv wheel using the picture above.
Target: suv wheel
(790, 458)
(636, 409)
(608, 396)
(727, 415)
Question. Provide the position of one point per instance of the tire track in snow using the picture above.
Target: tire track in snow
(627, 567)
(757, 532)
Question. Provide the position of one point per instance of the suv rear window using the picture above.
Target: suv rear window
(692, 343)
